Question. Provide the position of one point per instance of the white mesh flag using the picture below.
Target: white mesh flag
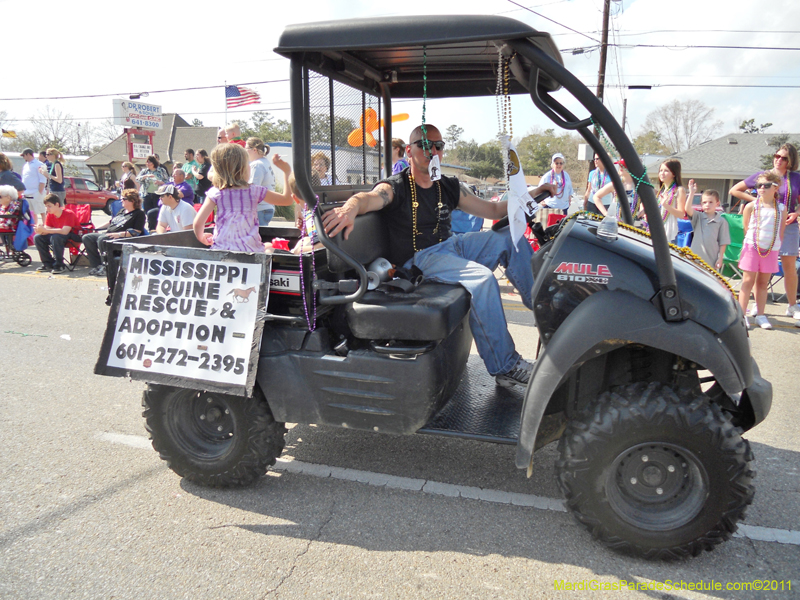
(519, 201)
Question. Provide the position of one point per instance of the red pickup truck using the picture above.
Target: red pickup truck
(86, 191)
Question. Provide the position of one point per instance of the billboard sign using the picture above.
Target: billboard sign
(132, 113)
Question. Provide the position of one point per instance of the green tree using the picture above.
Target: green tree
(320, 128)
(749, 126)
(649, 142)
(536, 149)
(488, 161)
(265, 127)
(463, 152)
(452, 137)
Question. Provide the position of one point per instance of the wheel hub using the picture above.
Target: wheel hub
(657, 486)
(203, 425)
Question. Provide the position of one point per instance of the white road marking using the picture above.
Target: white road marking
(289, 465)
(135, 441)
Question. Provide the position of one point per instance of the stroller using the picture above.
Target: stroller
(15, 242)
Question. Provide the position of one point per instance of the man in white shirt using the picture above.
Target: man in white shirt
(174, 214)
(34, 183)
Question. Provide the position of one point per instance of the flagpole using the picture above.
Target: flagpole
(226, 103)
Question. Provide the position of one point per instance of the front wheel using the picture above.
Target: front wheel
(653, 475)
(107, 207)
(212, 439)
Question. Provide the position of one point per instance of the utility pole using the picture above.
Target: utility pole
(624, 112)
(601, 73)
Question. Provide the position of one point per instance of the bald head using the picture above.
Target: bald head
(432, 130)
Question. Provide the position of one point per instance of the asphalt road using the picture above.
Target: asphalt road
(88, 510)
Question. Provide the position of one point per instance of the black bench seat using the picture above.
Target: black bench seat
(431, 312)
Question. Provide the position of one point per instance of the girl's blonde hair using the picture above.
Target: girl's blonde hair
(130, 166)
(771, 177)
(231, 166)
(55, 152)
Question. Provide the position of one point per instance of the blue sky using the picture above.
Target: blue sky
(195, 44)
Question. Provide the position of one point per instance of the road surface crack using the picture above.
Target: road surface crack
(305, 550)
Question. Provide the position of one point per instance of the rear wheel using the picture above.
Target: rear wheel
(653, 475)
(107, 207)
(23, 259)
(213, 439)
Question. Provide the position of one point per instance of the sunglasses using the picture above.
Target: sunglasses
(558, 163)
(763, 186)
(427, 144)
(779, 157)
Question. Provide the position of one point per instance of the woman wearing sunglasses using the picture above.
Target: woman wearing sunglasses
(784, 165)
(558, 177)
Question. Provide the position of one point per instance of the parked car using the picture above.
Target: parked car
(86, 191)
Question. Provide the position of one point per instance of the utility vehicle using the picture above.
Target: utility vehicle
(644, 372)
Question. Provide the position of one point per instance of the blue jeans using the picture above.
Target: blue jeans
(469, 259)
(265, 216)
(43, 241)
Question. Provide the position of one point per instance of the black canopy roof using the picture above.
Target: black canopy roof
(462, 52)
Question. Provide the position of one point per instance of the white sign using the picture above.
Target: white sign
(285, 282)
(132, 113)
(187, 318)
(142, 150)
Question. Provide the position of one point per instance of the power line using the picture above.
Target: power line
(190, 89)
(581, 50)
(713, 85)
(689, 31)
(553, 21)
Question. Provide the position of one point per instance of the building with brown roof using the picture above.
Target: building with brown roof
(169, 143)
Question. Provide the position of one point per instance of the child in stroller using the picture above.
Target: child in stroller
(14, 213)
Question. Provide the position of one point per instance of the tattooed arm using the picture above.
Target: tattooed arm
(343, 218)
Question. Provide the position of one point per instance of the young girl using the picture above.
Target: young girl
(236, 201)
(671, 195)
(630, 190)
(598, 178)
(764, 223)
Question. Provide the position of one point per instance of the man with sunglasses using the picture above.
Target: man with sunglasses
(417, 214)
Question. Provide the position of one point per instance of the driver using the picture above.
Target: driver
(417, 214)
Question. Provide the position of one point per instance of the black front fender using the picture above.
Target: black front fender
(622, 318)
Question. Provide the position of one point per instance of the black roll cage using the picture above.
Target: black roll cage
(344, 52)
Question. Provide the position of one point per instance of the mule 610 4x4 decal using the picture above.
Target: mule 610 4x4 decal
(583, 273)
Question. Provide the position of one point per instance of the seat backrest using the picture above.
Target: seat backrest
(367, 241)
(736, 230)
(83, 212)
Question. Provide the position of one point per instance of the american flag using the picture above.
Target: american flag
(236, 95)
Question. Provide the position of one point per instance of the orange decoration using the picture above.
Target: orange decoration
(369, 122)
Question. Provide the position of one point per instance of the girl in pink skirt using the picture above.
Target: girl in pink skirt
(236, 201)
(763, 231)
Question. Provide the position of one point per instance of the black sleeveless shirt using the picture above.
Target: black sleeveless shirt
(399, 219)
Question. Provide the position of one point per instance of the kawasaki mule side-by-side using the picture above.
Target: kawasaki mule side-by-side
(644, 372)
